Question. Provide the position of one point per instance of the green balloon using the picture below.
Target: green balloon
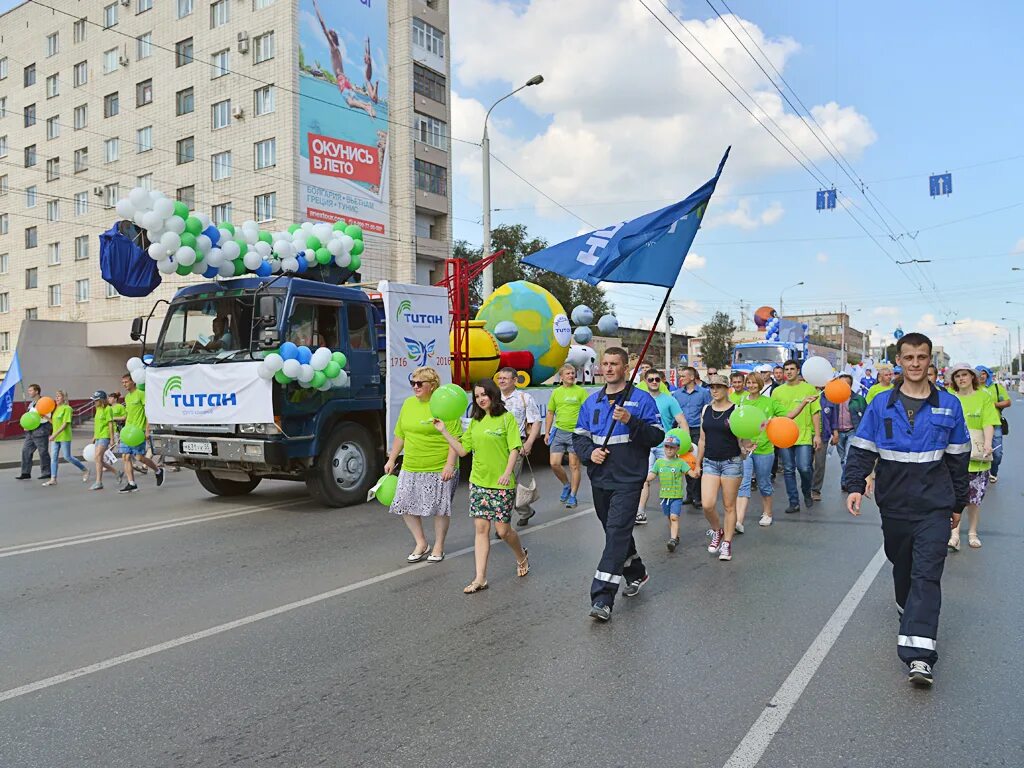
(280, 378)
(30, 420)
(183, 270)
(355, 264)
(266, 237)
(323, 256)
(357, 248)
(448, 403)
(354, 231)
(294, 228)
(132, 436)
(228, 226)
(142, 386)
(180, 209)
(318, 380)
(339, 226)
(340, 359)
(193, 226)
(243, 247)
(187, 238)
(239, 266)
(745, 422)
(199, 256)
(313, 243)
(685, 443)
(331, 370)
(386, 489)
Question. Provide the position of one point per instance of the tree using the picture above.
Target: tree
(716, 340)
(517, 243)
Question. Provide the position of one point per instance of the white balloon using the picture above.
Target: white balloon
(151, 221)
(199, 267)
(89, 452)
(157, 251)
(215, 257)
(252, 260)
(307, 227)
(133, 363)
(154, 195)
(275, 266)
(250, 224)
(166, 266)
(231, 250)
(263, 372)
(185, 256)
(203, 218)
(171, 241)
(291, 264)
(140, 199)
(203, 244)
(124, 208)
(310, 257)
(299, 243)
(263, 249)
(347, 242)
(273, 361)
(251, 236)
(344, 260)
(306, 373)
(291, 368)
(817, 371)
(341, 380)
(174, 224)
(225, 235)
(139, 375)
(164, 207)
(326, 386)
(227, 269)
(321, 357)
(138, 216)
(334, 246)
(322, 232)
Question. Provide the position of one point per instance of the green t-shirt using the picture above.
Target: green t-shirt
(979, 412)
(736, 397)
(61, 420)
(101, 427)
(997, 392)
(566, 403)
(770, 408)
(426, 450)
(789, 397)
(875, 390)
(491, 440)
(671, 477)
(135, 409)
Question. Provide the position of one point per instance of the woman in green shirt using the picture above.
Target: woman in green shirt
(61, 438)
(493, 439)
(982, 419)
(430, 472)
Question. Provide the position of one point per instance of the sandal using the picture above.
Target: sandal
(954, 542)
(523, 566)
(475, 586)
(415, 557)
(973, 541)
(54, 482)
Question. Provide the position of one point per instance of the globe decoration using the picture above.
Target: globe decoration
(608, 325)
(582, 315)
(544, 328)
(506, 331)
(762, 315)
(582, 335)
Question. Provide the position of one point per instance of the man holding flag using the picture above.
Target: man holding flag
(620, 422)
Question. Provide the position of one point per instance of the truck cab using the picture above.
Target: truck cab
(332, 440)
(750, 356)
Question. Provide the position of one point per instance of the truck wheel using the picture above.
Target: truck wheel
(344, 469)
(220, 487)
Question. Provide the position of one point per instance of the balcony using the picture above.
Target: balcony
(434, 249)
(432, 202)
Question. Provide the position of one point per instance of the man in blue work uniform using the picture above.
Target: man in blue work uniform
(692, 398)
(617, 473)
(917, 437)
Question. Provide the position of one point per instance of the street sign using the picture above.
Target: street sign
(940, 184)
(826, 199)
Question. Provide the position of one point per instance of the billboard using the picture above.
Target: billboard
(344, 112)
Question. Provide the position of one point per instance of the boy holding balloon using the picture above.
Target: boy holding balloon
(133, 436)
(670, 470)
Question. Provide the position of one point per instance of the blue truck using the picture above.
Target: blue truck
(750, 356)
(333, 441)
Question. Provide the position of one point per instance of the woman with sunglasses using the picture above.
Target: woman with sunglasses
(493, 438)
(430, 470)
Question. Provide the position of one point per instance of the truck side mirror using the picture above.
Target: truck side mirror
(136, 332)
(268, 310)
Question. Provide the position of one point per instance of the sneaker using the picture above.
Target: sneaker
(765, 521)
(725, 553)
(524, 517)
(565, 494)
(921, 674)
(815, 495)
(96, 487)
(716, 540)
(808, 502)
(600, 612)
(633, 587)
(739, 527)
(792, 508)
(671, 544)
(159, 477)
(570, 502)
(23, 477)
(641, 517)
(128, 488)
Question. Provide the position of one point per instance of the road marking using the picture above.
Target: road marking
(131, 530)
(753, 746)
(177, 642)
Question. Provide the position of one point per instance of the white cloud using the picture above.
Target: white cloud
(886, 311)
(822, 257)
(695, 261)
(742, 218)
(1019, 247)
(968, 339)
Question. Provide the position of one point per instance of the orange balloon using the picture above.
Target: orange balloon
(45, 406)
(782, 432)
(690, 459)
(837, 391)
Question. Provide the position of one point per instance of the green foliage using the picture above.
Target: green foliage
(716, 340)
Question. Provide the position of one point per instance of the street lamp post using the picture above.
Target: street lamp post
(488, 276)
(794, 285)
(1020, 349)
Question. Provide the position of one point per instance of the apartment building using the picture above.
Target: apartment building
(216, 102)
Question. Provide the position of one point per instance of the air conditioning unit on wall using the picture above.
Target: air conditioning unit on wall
(243, 42)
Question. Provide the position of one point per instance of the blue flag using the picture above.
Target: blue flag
(649, 250)
(10, 381)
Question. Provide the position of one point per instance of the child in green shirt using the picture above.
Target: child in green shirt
(671, 486)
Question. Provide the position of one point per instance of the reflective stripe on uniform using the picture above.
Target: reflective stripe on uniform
(958, 448)
(613, 440)
(916, 641)
(863, 444)
(581, 431)
(608, 578)
(911, 457)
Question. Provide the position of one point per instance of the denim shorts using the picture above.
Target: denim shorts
(728, 468)
(673, 507)
(102, 442)
(561, 441)
(131, 450)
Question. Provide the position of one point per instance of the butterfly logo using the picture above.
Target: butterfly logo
(418, 351)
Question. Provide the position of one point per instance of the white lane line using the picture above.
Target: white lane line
(131, 530)
(177, 642)
(753, 746)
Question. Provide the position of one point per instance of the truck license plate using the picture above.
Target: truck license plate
(197, 446)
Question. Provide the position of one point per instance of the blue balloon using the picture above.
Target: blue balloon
(608, 325)
(303, 266)
(213, 233)
(263, 270)
(289, 351)
(582, 315)
(583, 334)
(304, 355)
(147, 359)
(210, 273)
(506, 331)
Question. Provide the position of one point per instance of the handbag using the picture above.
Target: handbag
(978, 446)
(526, 492)
(1003, 423)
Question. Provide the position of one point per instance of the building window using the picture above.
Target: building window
(264, 100)
(53, 254)
(109, 15)
(31, 278)
(183, 52)
(80, 73)
(79, 27)
(221, 164)
(81, 247)
(51, 45)
(144, 46)
(81, 203)
(81, 159)
(266, 206)
(428, 83)
(53, 210)
(220, 14)
(53, 127)
(144, 92)
(5, 341)
(3, 146)
(111, 193)
(221, 63)
(187, 195)
(266, 153)
(30, 115)
(109, 61)
(144, 5)
(186, 150)
(81, 291)
(5, 223)
(32, 313)
(30, 155)
(185, 101)
(53, 295)
(3, 68)
(30, 196)
(185, 7)
(145, 181)
(53, 169)
(431, 178)
(81, 116)
(29, 75)
(52, 86)
(263, 47)
(4, 263)
(112, 291)
(427, 37)
(3, 106)
(221, 213)
(261, 4)
(111, 150)
(3, 187)
(111, 104)
(144, 139)
(5, 303)
(221, 114)
(432, 131)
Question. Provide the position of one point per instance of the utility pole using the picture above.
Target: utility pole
(743, 315)
(668, 339)
(842, 339)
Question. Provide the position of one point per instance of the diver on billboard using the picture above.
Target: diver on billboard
(344, 84)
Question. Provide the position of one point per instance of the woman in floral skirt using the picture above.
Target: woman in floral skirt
(493, 439)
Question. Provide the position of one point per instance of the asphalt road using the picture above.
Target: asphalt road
(170, 628)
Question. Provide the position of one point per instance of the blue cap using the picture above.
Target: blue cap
(672, 440)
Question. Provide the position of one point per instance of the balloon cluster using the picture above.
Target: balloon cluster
(33, 417)
(771, 328)
(189, 242)
(582, 317)
(313, 369)
(136, 367)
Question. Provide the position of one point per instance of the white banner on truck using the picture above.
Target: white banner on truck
(205, 393)
(417, 324)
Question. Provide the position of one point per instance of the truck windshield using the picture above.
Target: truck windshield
(761, 354)
(205, 328)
